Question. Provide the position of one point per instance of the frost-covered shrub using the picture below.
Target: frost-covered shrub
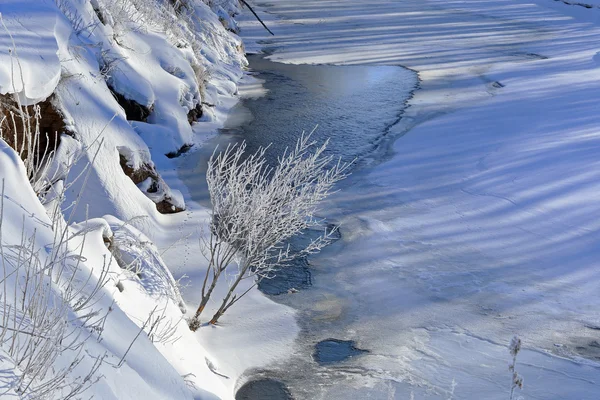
(517, 380)
(47, 307)
(257, 208)
(143, 15)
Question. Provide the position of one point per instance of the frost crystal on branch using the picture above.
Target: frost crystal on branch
(257, 208)
(517, 380)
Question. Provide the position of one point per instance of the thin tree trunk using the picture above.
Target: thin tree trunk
(203, 302)
(230, 300)
(225, 304)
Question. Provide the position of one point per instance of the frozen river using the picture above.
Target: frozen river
(354, 107)
(360, 297)
(356, 308)
(471, 228)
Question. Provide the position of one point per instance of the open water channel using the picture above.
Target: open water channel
(354, 108)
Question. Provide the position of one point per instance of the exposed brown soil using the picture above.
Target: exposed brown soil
(195, 114)
(18, 122)
(133, 110)
(138, 175)
(156, 191)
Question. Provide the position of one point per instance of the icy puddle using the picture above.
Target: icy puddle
(333, 350)
(264, 389)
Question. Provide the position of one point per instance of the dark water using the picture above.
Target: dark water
(334, 350)
(297, 275)
(264, 389)
(353, 106)
(288, 280)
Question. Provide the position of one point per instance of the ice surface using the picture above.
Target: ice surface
(482, 221)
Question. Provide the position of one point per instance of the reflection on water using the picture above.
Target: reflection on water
(352, 105)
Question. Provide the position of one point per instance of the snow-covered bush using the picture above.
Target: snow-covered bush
(257, 208)
(171, 18)
(135, 253)
(47, 306)
(37, 335)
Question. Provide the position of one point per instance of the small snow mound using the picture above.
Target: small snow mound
(29, 63)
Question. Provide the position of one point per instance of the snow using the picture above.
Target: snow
(146, 372)
(34, 25)
(480, 223)
(63, 49)
(585, 3)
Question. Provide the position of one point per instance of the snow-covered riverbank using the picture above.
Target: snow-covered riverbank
(124, 84)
